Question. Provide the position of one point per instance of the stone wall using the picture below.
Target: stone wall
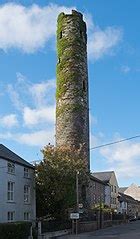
(87, 226)
(72, 112)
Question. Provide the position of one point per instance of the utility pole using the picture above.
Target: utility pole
(77, 191)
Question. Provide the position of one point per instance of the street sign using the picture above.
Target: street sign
(74, 215)
(81, 210)
(80, 205)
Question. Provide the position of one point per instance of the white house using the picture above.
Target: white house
(123, 203)
(128, 205)
(17, 188)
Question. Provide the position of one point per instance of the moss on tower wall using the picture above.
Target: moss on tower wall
(71, 108)
(72, 122)
(69, 47)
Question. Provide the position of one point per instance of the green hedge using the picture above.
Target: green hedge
(19, 230)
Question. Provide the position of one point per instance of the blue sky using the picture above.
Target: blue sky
(27, 85)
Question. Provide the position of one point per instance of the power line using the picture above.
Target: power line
(115, 142)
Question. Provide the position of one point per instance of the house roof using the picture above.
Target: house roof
(103, 176)
(126, 198)
(133, 190)
(97, 180)
(122, 189)
(7, 154)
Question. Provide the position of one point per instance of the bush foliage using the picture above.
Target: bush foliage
(55, 180)
(19, 230)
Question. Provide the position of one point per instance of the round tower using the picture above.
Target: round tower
(72, 107)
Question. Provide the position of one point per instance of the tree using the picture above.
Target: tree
(56, 178)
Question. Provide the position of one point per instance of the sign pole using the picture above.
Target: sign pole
(77, 198)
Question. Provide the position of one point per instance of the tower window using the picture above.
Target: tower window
(84, 85)
(82, 35)
(60, 35)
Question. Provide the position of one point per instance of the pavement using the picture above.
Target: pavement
(130, 230)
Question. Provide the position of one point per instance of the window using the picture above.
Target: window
(10, 191)
(111, 188)
(82, 35)
(60, 35)
(11, 167)
(115, 189)
(26, 172)
(26, 216)
(94, 198)
(11, 216)
(84, 85)
(26, 193)
(94, 185)
(83, 192)
(102, 197)
(113, 200)
(125, 204)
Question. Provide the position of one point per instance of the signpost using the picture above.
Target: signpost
(74, 216)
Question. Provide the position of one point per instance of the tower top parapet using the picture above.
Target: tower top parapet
(73, 13)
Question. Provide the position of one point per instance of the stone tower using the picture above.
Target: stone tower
(72, 107)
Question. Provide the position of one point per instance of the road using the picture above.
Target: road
(125, 231)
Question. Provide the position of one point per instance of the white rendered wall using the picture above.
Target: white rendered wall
(18, 205)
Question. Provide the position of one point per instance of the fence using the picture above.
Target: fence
(90, 221)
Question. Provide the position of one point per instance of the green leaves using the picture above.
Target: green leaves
(55, 180)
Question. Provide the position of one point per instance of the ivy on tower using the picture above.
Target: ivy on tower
(72, 106)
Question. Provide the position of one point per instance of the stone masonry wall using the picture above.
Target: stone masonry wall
(72, 112)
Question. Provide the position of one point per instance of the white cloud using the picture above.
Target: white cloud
(123, 158)
(42, 92)
(23, 92)
(92, 120)
(93, 141)
(102, 42)
(38, 138)
(125, 69)
(37, 116)
(6, 135)
(28, 28)
(89, 21)
(9, 121)
(35, 102)
(20, 78)
(15, 97)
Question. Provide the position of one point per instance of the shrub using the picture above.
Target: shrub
(18, 230)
